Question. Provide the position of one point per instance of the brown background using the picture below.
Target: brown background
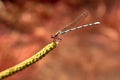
(87, 54)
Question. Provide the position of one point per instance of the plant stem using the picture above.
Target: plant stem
(39, 55)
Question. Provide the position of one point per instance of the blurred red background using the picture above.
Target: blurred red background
(87, 54)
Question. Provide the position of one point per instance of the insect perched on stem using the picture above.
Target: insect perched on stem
(40, 54)
(67, 29)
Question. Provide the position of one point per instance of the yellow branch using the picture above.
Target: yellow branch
(28, 62)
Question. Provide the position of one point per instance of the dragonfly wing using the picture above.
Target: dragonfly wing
(80, 18)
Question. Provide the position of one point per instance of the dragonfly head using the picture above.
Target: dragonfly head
(56, 37)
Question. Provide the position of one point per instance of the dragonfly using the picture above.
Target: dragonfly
(68, 28)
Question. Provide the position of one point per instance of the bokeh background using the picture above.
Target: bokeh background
(91, 53)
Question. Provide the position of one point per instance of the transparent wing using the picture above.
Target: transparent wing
(80, 18)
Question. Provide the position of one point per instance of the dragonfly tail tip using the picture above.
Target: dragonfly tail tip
(97, 22)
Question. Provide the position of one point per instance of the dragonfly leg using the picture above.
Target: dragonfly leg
(56, 39)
